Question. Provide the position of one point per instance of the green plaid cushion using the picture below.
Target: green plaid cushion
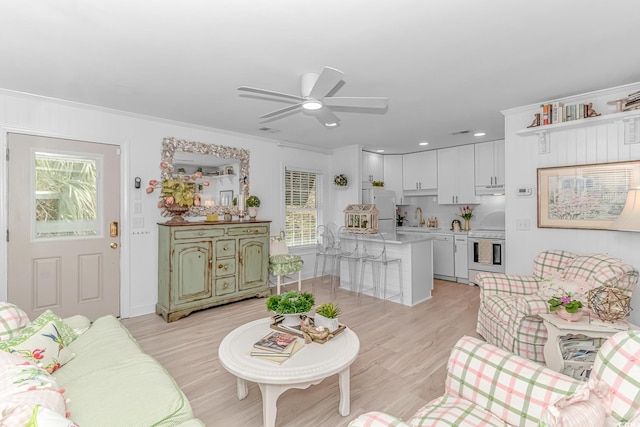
(454, 411)
(618, 364)
(285, 264)
(12, 320)
(550, 263)
(602, 270)
(377, 419)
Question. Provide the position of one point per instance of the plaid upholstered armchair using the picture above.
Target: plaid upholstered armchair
(489, 386)
(510, 304)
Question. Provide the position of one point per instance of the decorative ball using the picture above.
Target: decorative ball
(609, 304)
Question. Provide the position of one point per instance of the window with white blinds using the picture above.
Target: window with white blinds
(302, 206)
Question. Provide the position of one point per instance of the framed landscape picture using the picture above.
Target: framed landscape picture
(584, 196)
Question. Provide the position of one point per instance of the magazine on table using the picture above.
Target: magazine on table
(276, 342)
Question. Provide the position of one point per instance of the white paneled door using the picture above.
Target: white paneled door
(63, 226)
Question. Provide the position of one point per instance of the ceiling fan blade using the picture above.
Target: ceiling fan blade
(327, 80)
(270, 92)
(281, 111)
(359, 102)
(327, 118)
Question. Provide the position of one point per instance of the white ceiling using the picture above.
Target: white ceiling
(446, 66)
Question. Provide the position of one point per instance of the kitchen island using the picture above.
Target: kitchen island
(416, 252)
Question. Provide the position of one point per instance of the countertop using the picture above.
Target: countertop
(426, 230)
(391, 238)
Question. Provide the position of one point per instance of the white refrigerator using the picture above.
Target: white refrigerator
(386, 204)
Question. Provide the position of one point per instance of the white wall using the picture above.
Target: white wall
(598, 143)
(141, 139)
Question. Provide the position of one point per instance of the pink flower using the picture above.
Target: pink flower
(161, 204)
(153, 183)
(206, 183)
(164, 165)
(565, 299)
(198, 174)
(196, 201)
(38, 354)
(187, 177)
(169, 201)
(149, 190)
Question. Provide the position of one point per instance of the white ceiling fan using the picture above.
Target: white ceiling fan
(313, 98)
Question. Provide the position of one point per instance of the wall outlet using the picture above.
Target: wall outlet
(523, 224)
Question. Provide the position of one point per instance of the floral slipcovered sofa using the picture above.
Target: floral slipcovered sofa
(489, 386)
(56, 372)
(510, 304)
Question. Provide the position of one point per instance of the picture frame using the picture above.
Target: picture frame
(226, 195)
(589, 196)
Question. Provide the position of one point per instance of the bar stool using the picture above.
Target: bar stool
(377, 256)
(352, 250)
(326, 248)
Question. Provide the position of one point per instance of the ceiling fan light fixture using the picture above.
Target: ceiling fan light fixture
(312, 104)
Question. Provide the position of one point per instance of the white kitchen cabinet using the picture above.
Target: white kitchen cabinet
(420, 172)
(372, 166)
(456, 176)
(461, 257)
(489, 165)
(443, 256)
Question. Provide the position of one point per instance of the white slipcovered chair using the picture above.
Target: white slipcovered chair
(510, 304)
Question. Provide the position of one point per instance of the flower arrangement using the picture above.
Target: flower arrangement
(340, 180)
(253, 202)
(399, 216)
(567, 301)
(179, 190)
(290, 302)
(466, 212)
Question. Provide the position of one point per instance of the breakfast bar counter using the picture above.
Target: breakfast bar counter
(416, 254)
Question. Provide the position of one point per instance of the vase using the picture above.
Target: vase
(325, 322)
(467, 224)
(253, 212)
(569, 317)
(176, 212)
(291, 319)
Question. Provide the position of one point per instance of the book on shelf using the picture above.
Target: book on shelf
(276, 342)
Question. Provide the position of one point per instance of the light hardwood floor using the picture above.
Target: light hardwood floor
(401, 365)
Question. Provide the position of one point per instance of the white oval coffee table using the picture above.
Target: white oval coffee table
(309, 366)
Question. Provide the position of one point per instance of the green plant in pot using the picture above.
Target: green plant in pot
(253, 203)
(327, 316)
(290, 303)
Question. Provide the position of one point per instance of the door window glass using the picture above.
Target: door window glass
(66, 195)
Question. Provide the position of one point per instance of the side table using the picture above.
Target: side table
(558, 327)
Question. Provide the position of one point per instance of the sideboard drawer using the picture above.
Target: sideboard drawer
(249, 230)
(225, 248)
(197, 233)
(225, 267)
(225, 285)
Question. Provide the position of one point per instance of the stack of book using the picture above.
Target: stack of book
(276, 347)
(632, 102)
(559, 113)
(579, 354)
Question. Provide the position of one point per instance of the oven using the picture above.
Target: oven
(486, 252)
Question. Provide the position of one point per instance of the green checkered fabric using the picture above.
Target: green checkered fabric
(12, 321)
(281, 265)
(509, 304)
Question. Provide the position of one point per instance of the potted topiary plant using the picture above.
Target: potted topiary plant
(327, 316)
(290, 304)
(253, 203)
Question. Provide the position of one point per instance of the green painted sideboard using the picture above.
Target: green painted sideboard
(202, 264)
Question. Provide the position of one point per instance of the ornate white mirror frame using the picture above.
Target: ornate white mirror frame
(171, 145)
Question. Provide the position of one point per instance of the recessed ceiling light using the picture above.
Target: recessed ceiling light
(379, 151)
(479, 134)
(423, 143)
(332, 124)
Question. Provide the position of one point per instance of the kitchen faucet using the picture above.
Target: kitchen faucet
(415, 216)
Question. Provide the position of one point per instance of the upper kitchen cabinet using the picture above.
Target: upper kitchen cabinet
(420, 173)
(456, 176)
(490, 168)
(372, 166)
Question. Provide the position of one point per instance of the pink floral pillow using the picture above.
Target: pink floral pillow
(556, 287)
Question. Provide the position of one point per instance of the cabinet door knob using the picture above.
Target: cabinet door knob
(225, 286)
(201, 233)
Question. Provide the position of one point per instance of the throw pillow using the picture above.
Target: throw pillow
(24, 388)
(588, 406)
(556, 287)
(43, 342)
(12, 320)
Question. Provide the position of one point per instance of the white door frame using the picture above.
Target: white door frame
(125, 302)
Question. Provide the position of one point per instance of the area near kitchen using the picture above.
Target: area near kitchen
(430, 189)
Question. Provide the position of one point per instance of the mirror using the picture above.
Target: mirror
(225, 169)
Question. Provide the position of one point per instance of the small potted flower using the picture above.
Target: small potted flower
(340, 180)
(327, 316)
(567, 306)
(253, 203)
(399, 217)
(291, 304)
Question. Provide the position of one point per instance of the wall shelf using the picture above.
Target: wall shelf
(630, 119)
